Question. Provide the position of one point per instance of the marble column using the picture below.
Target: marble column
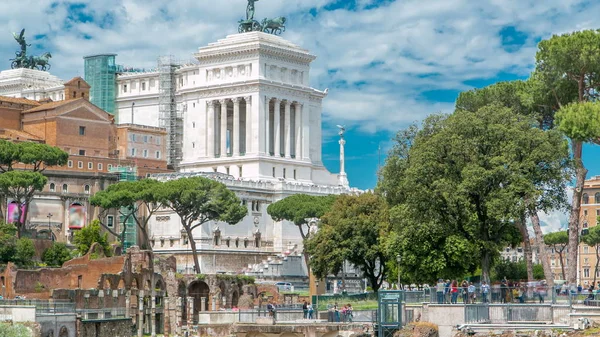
(248, 124)
(210, 130)
(268, 126)
(223, 135)
(298, 131)
(287, 129)
(235, 139)
(277, 127)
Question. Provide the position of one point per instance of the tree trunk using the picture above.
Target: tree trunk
(580, 173)
(485, 267)
(541, 246)
(522, 225)
(562, 264)
(188, 230)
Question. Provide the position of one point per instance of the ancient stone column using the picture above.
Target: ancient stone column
(140, 314)
(277, 127)
(268, 126)
(248, 124)
(235, 139)
(202, 304)
(223, 135)
(210, 130)
(287, 129)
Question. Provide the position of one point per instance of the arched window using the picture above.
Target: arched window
(86, 189)
(585, 199)
(597, 198)
(65, 188)
(52, 187)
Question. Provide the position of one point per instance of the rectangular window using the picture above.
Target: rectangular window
(124, 87)
(294, 174)
(585, 250)
(80, 164)
(157, 154)
(145, 139)
(133, 152)
(82, 130)
(82, 152)
(145, 153)
(241, 175)
(90, 166)
(70, 163)
(598, 212)
(143, 86)
(585, 212)
(283, 173)
(110, 221)
(157, 140)
(586, 272)
(273, 172)
(99, 166)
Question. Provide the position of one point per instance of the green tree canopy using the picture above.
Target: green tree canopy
(354, 229)
(24, 252)
(56, 255)
(564, 62)
(298, 208)
(559, 241)
(20, 186)
(198, 200)
(88, 235)
(130, 198)
(516, 271)
(39, 156)
(460, 189)
(592, 239)
(8, 242)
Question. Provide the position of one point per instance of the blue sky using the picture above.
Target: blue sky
(386, 63)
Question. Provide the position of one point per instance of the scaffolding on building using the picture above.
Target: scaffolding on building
(128, 223)
(171, 118)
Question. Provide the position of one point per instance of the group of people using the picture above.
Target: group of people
(337, 314)
(449, 291)
(308, 310)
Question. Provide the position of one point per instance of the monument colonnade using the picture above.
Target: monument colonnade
(282, 115)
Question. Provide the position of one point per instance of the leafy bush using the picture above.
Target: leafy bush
(515, 271)
(88, 235)
(14, 330)
(24, 252)
(56, 255)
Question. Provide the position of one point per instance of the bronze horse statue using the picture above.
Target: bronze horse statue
(274, 26)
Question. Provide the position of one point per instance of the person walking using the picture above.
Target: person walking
(471, 290)
(310, 311)
(440, 291)
(485, 290)
(464, 287)
(305, 309)
(454, 292)
(350, 313)
(447, 292)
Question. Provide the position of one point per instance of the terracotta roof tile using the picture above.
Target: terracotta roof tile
(52, 105)
(12, 134)
(18, 100)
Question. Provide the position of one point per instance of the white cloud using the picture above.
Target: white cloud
(384, 58)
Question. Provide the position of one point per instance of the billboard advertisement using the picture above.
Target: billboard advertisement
(77, 216)
(12, 212)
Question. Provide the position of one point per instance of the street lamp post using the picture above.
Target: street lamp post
(49, 216)
(399, 259)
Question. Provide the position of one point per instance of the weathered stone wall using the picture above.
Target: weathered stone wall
(109, 328)
(58, 324)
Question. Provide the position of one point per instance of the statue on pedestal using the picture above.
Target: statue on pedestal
(273, 26)
(31, 62)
